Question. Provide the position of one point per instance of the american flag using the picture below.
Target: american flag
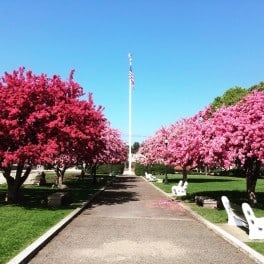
(131, 77)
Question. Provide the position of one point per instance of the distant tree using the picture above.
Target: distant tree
(135, 147)
(184, 145)
(217, 103)
(112, 151)
(230, 97)
(182, 149)
(258, 87)
(153, 148)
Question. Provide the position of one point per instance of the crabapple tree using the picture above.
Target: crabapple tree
(80, 136)
(235, 136)
(153, 148)
(182, 148)
(38, 122)
(112, 150)
(184, 144)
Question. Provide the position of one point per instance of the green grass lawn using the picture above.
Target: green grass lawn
(215, 187)
(23, 223)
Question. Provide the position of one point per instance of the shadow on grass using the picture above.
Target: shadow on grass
(203, 180)
(199, 180)
(35, 197)
(235, 197)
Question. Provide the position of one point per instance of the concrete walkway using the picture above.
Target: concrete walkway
(133, 222)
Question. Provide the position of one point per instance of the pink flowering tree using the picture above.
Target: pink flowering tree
(235, 136)
(231, 136)
(81, 135)
(184, 144)
(182, 148)
(112, 150)
(153, 150)
(38, 123)
(115, 150)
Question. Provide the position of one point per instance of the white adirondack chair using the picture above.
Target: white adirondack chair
(180, 190)
(175, 187)
(255, 224)
(233, 218)
(150, 177)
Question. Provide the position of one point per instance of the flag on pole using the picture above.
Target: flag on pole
(131, 77)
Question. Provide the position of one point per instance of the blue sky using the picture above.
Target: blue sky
(185, 53)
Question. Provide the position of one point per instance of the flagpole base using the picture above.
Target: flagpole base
(129, 172)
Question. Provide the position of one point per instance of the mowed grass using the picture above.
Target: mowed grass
(21, 226)
(215, 187)
(23, 223)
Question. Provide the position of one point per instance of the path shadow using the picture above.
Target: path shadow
(118, 193)
(114, 197)
(124, 178)
(120, 186)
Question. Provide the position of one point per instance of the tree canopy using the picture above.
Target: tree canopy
(234, 95)
(230, 97)
(43, 120)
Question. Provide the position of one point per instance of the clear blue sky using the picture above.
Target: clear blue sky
(185, 53)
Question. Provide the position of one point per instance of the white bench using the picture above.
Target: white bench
(233, 218)
(255, 224)
(180, 189)
(175, 187)
(150, 177)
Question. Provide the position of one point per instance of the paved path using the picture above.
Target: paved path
(132, 222)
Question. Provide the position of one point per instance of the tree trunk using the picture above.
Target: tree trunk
(93, 173)
(184, 174)
(60, 176)
(14, 183)
(206, 170)
(252, 173)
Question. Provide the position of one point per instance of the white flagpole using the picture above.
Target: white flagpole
(130, 119)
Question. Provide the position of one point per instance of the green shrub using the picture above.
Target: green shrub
(154, 169)
(110, 168)
(140, 169)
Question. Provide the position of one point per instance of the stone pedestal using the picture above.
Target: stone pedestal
(206, 202)
(58, 199)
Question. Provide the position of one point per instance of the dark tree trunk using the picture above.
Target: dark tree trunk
(252, 173)
(93, 173)
(82, 175)
(60, 176)
(14, 183)
(206, 170)
(184, 174)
